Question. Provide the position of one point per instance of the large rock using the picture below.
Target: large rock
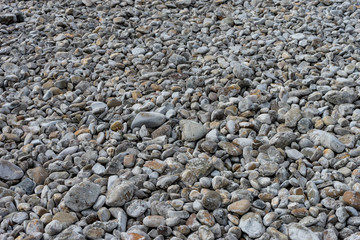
(82, 196)
(352, 199)
(200, 167)
(192, 131)
(149, 119)
(120, 193)
(252, 225)
(211, 200)
(346, 95)
(9, 171)
(327, 140)
(300, 232)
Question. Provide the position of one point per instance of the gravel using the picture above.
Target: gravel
(209, 119)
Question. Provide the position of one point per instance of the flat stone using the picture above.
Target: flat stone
(82, 196)
(154, 221)
(192, 131)
(149, 119)
(9, 171)
(65, 219)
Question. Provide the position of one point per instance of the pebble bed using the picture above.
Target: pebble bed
(186, 119)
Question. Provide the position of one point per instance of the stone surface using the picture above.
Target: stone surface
(82, 196)
(9, 171)
(149, 119)
(327, 140)
(251, 224)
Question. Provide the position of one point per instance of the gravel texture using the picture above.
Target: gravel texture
(180, 119)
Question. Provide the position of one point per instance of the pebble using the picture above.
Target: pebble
(179, 120)
(149, 119)
(251, 223)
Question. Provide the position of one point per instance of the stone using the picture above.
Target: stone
(64, 219)
(82, 196)
(192, 131)
(136, 208)
(38, 174)
(251, 224)
(9, 171)
(242, 71)
(230, 148)
(211, 200)
(282, 139)
(326, 140)
(34, 226)
(298, 232)
(26, 185)
(352, 199)
(240, 207)
(292, 117)
(119, 194)
(149, 119)
(154, 221)
(72, 232)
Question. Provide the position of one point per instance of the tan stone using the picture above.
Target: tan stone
(240, 207)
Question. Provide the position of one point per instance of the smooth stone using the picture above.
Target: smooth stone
(136, 208)
(65, 219)
(211, 200)
(240, 207)
(192, 131)
(38, 174)
(82, 196)
(27, 185)
(9, 171)
(154, 221)
(149, 119)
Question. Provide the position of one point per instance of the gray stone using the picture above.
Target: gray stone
(211, 200)
(82, 196)
(136, 208)
(9, 171)
(282, 139)
(149, 119)
(192, 131)
(252, 225)
(242, 71)
(300, 232)
(327, 140)
(120, 193)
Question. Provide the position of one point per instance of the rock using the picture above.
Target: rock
(34, 226)
(149, 119)
(53, 228)
(38, 174)
(9, 171)
(82, 196)
(192, 131)
(200, 167)
(292, 117)
(26, 185)
(8, 18)
(119, 194)
(282, 139)
(354, 236)
(154, 221)
(230, 148)
(136, 208)
(64, 219)
(252, 225)
(327, 140)
(242, 71)
(98, 107)
(92, 232)
(72, 232)
(240, 207)
(177, 59)
(352, 199)
(298, 231)
(211, 200)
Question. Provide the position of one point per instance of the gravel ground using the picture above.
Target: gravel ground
(163, 119)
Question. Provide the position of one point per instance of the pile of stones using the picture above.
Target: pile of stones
(180, 119)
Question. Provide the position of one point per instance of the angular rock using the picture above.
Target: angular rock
(149, 119)
(327, 140)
